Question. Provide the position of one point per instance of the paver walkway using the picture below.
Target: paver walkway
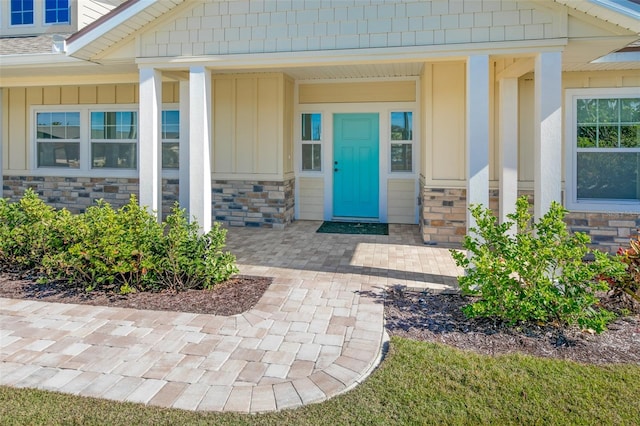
(316, 332)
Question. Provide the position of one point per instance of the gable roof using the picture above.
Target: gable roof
(116, 25)
(133, 15)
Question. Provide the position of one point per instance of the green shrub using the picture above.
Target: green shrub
(192, 259)
(122, 250)
(25, 232)
(108, 248)
(538, 274)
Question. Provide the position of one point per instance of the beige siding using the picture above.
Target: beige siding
(311, 198)
(248, 124)
(90, 10)
(570, 80)
(401, 204)
(288, 125)
(386, 91)
(19, 100)
(17, 130)
(445, 159)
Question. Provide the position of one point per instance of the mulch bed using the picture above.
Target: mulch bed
(410, 314)
(438, 318)
(234, 296)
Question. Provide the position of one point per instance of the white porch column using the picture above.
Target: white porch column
(477, 130)
(548, 131)
(150, 140)
(508, 146)
(184, 144)
(200, 146)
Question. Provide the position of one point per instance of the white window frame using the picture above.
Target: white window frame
(39, 141)
(173, 172)
(136, 141)
(320, 142)
(33, 22)
(402, 142)
(85, 168)
(44, 15)
(571, 173)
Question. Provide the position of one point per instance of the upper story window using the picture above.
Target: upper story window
(311, 142)
(56, 11)
(604, 150)
(21, 12)
(401, 141)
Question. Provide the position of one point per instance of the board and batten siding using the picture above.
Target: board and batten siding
(17, 121)
(252, 136)
(443, 118)
(401, 204)
(311, 198)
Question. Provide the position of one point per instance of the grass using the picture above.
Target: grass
(419, 383)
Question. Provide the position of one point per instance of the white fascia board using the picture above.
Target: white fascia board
(108, 25)
(356, 56)
(623, 13)
(38, 59)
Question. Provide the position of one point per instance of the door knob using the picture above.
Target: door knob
(335, 170)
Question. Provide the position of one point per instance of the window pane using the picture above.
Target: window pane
(170, 155)
(170, 124)
(587, 111)
(59, 154)
(311, 127)
(56, 11)
(608, 111)
(401, 157)
(608, 137)
(311, 157)
(630, 136)
(116, 125)
(630, 110)
(58, 125)
(587, 136)
(608, 175)
(113, 155)
(401, 126)
(21, 12)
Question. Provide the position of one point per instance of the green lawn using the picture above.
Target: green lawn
(418, 383)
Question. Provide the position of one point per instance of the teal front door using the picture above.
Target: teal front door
(355, 166)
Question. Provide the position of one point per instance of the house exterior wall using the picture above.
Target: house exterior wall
(251, 136)
(442, 184)
(243, 26)
(311, 198)
(401, 204)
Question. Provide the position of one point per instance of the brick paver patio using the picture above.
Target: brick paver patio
(316, 332)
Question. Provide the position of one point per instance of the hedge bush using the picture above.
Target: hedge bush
(122, 250)
(538, 274)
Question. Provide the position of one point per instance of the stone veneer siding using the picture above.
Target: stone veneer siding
(234, 203)
(267, 204)
(443, 220)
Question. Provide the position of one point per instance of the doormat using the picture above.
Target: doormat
(354, 228)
